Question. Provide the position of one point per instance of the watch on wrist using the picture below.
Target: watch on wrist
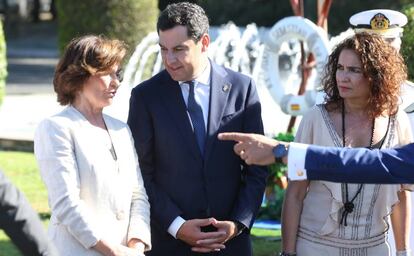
(239, 226)
(280, 151)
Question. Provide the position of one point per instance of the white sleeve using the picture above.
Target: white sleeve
(296, 161)
(175, 226)
(55, 154)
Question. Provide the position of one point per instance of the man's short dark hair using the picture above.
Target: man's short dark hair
(185, 14)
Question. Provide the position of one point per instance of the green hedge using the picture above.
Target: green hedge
(272, 205)
(127, 20)
(3, 63)
(407, 48)
(268, 12)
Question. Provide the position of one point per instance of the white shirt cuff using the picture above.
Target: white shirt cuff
(175, 226)
(296, 161)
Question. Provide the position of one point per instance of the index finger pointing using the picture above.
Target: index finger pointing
(236, 136)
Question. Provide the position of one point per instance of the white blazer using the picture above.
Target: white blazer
(91, 195)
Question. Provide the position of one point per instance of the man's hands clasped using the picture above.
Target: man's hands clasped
(191, 233)
(253, 149)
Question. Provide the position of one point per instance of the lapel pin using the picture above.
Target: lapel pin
(226, 88)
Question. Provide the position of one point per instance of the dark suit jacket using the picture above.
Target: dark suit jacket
(178, 180)
(361, 165)
(20, 222)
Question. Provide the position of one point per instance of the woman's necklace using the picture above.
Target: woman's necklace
(349, 205)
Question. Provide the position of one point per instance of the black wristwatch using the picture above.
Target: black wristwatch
(240, 226)
(287, 254)
(280, 151)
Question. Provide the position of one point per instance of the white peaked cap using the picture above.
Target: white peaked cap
(387, 23)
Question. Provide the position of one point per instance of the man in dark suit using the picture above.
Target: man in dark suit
(351, 165)
(20, 222)
(203, 197)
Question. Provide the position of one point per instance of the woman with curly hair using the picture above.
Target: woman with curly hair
(362, 82)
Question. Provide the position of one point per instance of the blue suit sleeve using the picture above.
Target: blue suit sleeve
(360, 165)
(251, 192)
(163, 209)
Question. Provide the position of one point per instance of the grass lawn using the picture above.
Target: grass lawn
(266, 242)
(21, 169)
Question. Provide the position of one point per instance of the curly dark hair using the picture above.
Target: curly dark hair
(185, 14)
(381, 64)
(83, 57)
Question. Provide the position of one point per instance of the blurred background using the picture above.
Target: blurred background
(34, 33)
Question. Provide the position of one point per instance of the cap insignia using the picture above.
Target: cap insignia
(379, 21)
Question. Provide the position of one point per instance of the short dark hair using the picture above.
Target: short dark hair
(185, 14)
(381, 64)
(84, 56)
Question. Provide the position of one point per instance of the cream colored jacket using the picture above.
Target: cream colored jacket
(91, 195)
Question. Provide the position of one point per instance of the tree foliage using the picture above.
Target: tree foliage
(3, 63)
(342, 10)
(127, 20)
(407, 48)
(267, 12)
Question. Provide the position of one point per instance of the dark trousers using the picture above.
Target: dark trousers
(20, 222)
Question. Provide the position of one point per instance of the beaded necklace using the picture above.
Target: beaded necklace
(349, 205)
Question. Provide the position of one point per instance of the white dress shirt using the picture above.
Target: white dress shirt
(201, 92)
(202, 97)
(296, 161)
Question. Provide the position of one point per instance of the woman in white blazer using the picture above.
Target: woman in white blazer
(87, 159)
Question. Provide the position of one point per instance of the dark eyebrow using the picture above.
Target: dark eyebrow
(349, 67)
(175, 47)
(181, 45)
